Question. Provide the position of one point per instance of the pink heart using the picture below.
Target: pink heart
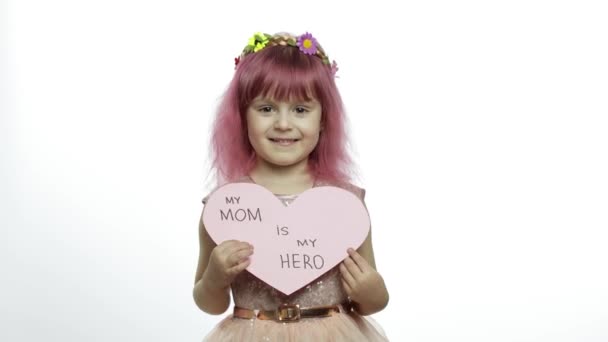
(295, 244)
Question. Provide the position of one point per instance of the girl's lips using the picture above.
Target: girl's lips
(283, 142)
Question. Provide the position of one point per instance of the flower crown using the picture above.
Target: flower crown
(306, 43)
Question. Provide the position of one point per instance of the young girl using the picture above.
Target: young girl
(281, 125)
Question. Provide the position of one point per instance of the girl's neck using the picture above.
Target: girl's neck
(283, 180)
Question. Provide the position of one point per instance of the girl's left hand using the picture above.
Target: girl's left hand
(359, 278)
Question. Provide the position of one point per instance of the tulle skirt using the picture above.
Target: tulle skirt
(340, 327)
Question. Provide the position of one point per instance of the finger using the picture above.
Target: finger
(358, 259)
(233, 271)
(346, 276)
(239, 244)
(352, 267)
(230, 244)
(238, 256)
(236, 247)
(226, 245)
(347, 288)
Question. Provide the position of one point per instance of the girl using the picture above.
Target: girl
(281, 125)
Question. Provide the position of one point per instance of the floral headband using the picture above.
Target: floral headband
(306, 43)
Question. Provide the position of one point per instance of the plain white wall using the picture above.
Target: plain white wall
(480, 129)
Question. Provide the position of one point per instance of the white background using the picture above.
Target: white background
(480, 129)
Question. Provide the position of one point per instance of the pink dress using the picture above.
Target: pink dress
(250, 292)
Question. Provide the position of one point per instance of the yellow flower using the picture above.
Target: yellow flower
(258, 47)
(258, 41)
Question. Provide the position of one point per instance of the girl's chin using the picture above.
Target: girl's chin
(282, 162)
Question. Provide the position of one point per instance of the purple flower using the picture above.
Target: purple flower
(307, 44)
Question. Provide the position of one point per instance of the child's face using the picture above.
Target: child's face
(283, 133)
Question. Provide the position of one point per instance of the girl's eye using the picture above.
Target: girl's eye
(301, 110)
(265, 109)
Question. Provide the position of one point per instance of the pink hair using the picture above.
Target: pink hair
(282, 73)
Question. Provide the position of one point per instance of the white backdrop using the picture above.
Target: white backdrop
(479, 127)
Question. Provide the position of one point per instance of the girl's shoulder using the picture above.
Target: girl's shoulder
(357, 191)
(241, 180)
(206, 198)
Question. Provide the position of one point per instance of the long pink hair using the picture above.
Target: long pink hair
(282, 73)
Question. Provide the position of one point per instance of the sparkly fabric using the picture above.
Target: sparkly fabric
(250, 292)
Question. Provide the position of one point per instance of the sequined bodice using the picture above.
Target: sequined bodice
(250, 292)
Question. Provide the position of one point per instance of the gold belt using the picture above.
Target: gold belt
(291, 312)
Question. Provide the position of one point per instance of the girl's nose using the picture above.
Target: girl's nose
(282, 121)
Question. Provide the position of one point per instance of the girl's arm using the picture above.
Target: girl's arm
(363, 284)
(217, 267)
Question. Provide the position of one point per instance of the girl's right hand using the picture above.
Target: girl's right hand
(226, 261)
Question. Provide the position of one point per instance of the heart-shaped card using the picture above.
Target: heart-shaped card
(294, 244)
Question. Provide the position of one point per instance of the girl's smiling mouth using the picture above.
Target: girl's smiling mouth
(283, 142)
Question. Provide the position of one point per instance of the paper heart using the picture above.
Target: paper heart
(295, 244)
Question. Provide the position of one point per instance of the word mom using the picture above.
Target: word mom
(239, 214)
